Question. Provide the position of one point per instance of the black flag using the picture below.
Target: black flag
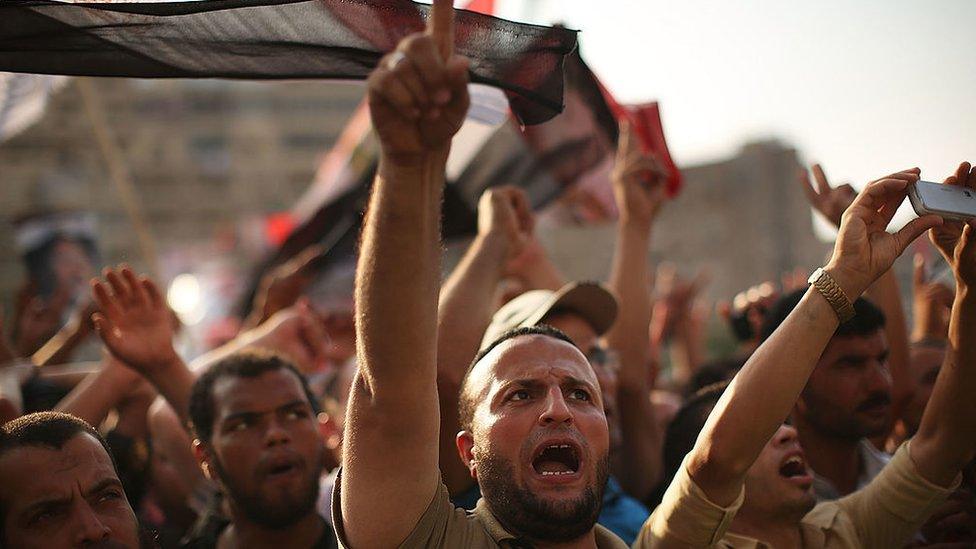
(273, 39)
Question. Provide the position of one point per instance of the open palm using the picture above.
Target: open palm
(133, 320)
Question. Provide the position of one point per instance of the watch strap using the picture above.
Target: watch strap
(832, 292)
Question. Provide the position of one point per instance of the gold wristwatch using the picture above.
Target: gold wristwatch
(828, 287)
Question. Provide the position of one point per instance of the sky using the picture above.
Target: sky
(865, 87)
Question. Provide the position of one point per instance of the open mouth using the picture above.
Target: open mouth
(282, 467)
(557, 460)
(793, 467)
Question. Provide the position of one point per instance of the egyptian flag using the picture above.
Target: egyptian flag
(563, 165)
(274, 39)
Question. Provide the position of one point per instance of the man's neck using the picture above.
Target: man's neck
(836, 459)
(242, 534)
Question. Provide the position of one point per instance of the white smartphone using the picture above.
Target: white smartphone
(949, 201)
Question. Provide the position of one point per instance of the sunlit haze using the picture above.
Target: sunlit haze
(865, 87)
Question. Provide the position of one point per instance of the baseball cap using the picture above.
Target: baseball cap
(590, 300)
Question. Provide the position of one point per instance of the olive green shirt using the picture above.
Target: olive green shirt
(883, 515)
(443, 525)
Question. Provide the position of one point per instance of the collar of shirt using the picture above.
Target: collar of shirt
(604, 538)
(871, 462)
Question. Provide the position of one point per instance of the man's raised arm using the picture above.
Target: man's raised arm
(946, 438)
(418, 99)
(761, 396)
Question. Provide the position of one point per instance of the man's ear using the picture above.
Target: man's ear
(202, 454)
(465, 446)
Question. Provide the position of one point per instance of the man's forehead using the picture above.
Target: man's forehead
(40, 471)
(533, 357)
(868, 344)
(235, 394)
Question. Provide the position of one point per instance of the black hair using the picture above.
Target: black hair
(867, 319)
(246, 364)
(714, 372)
(466, 403)
(46, 430)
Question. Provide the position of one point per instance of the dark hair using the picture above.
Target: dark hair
(466, 404)
(46, 430)
(868, 318)
(247, 364)
(714, 372)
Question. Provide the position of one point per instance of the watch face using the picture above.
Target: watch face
(816, 275)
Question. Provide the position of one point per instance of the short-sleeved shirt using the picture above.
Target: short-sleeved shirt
(871, 461)
(883, 514)
(444, 525)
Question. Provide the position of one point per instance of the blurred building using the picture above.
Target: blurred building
(210, 157)
(204, 156)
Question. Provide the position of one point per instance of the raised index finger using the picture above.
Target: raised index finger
(440, 26)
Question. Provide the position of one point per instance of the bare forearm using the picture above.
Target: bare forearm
(541, 274)
(760, 398)
(397, 278)
(945, 439)
(95, 396)
(465, 306)
(630, 281)
(174, 382)
(462, 317)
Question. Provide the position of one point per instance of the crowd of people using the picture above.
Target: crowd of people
(505, 406)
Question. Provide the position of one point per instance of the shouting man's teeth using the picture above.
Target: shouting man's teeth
(556, 459)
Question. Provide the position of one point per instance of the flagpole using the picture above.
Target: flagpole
(119, 174)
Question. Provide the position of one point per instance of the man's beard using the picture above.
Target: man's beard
(273, 515)
(523, 513)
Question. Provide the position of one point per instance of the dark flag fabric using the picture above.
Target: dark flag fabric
(563, 165)
(274, 39)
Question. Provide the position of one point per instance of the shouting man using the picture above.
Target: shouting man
(536, 436)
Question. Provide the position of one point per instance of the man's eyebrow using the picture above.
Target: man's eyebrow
(294, 404)
(849, 359)
(571, 381)
(49, 503)
(254, 414)
(100, 486)
(527, 383)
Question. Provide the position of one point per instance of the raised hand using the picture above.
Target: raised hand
(954, 239)
(297, 332)
(674, 302)
(931, 303)
(504, 213)
(638, 180)
(864, 250)
(829, 201)
(418, 95)
(282, 287)
(133, 321)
